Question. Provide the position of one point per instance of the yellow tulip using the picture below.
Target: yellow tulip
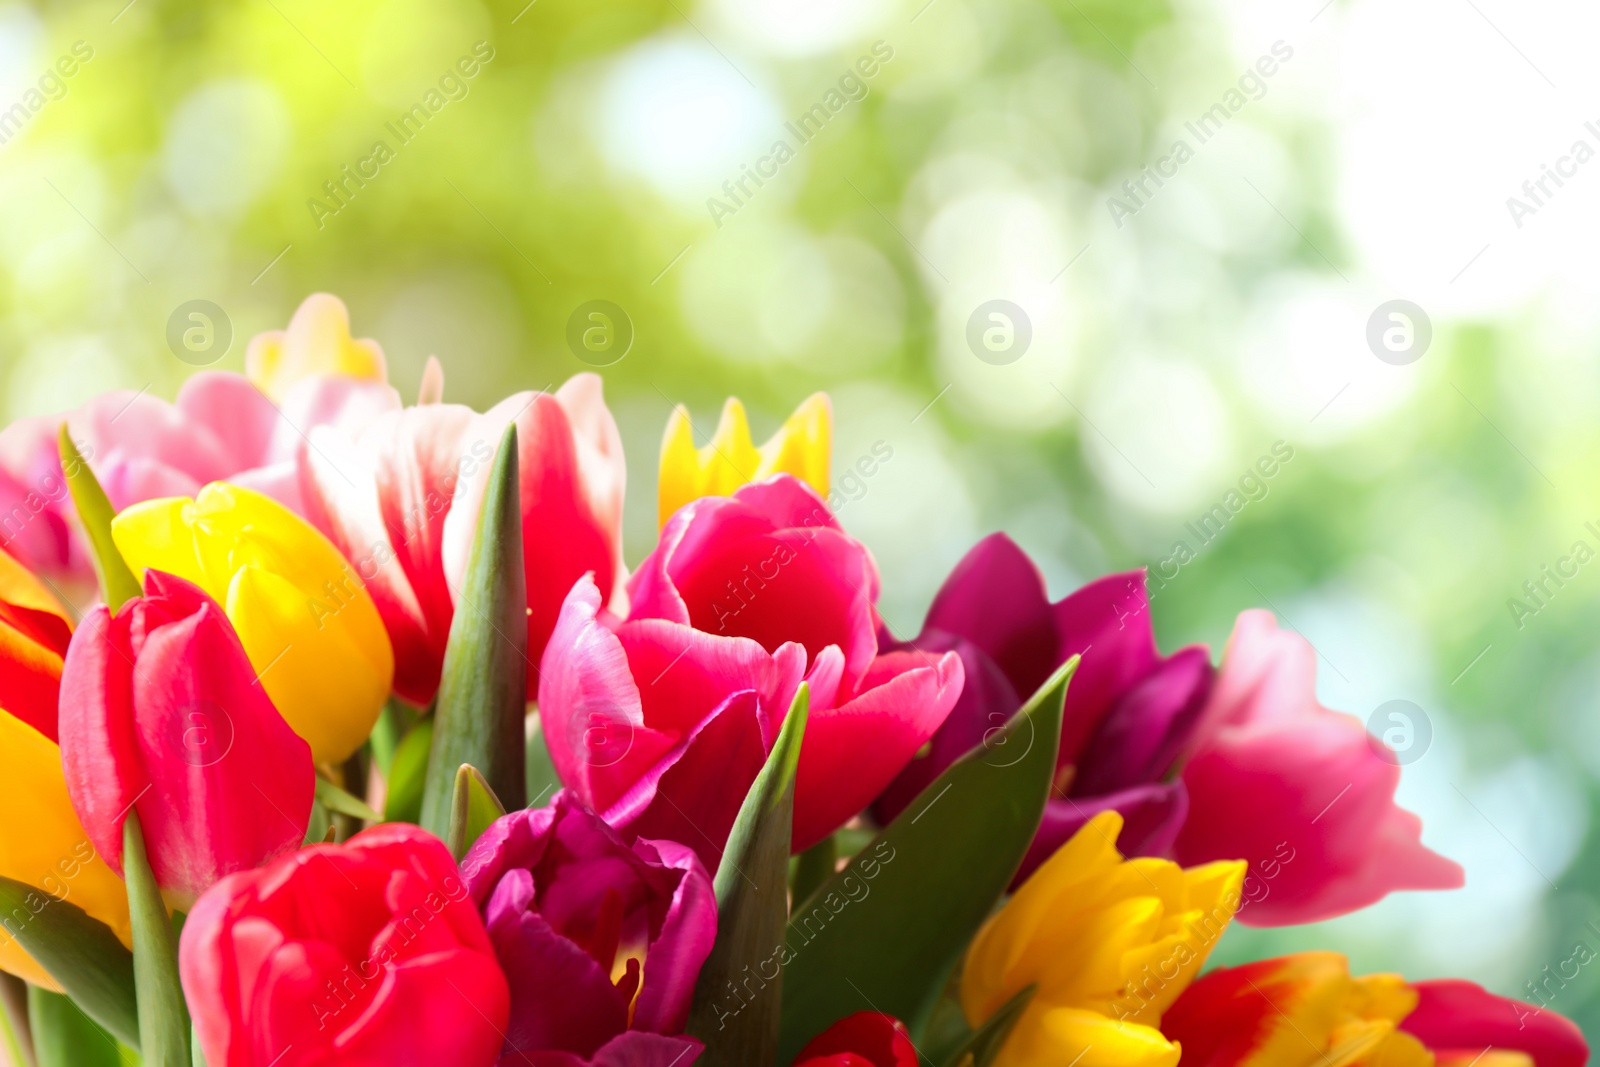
(43, 845)
(801, 447)
(317, 341)
(306, 621)
(1107, 944)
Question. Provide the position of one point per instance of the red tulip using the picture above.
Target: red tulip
(661, 721)
(365, 954)
(401, 500)
(865, 1039)
(1306, 1010)
(162, 713)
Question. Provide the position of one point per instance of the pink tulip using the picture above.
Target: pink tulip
(401, 500)
(364, 954)
(661, 720)
(161, 713)
(140, 447)
(1274, 774)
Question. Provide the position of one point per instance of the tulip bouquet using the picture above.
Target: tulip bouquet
(337, 731)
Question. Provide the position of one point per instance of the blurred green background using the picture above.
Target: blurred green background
(1174, 339)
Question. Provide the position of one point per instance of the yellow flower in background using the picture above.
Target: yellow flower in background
(306, 621)
(1107, 943)
(802, 447)
(317, 341)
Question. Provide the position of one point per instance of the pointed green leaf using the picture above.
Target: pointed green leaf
(403, 799)
(117, 583)
(984, 1044)
(340, 802)
(885, 933)
(63, 1036)
(163, 1016)
(752, 906)
(483, 688)
(80, 953)
(194, 1048)
(472, 808)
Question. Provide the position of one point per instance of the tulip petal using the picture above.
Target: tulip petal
(323, 679)
(1152, 816)
(986, 703)
(1276, 773)
(55, 853)
(905, 698)
(567, 526)
(1464, 1019)
(104, 772)
(317, 341)
(801, 447)
(243, 421)
(1148, 728)
(632, 1048)
(34, 632)
(693, 780)
(545, 969)
(214, 747)
(685, 940)
(867, 1038)
(995, 597)
(590, 708)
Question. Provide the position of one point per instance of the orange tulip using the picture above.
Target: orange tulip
(43, 845)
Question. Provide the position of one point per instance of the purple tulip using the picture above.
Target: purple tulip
(1130, 713)
(1203, 765)
(600, 941)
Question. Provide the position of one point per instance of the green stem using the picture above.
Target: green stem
(815, 866)
(14, 1019)
(163, 1015)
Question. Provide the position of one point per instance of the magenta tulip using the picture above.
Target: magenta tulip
(661, 720)
(365, 954)
(161, 714)
(401, 500)
(1200, 766)
(601, 942)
